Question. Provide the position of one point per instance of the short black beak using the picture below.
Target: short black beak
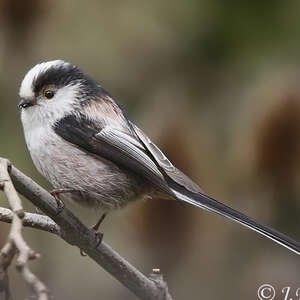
(24, 103)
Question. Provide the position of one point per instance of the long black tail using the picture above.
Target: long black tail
(206, 202)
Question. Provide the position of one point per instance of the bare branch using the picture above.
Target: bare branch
(15, 241)
(5, 261)
(36, 221)
(44, 223)
(76, 233)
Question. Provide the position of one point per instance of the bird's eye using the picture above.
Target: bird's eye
(48, 93)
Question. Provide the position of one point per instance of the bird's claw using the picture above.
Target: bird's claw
(59, 202)
(99, 237)
(98, 234)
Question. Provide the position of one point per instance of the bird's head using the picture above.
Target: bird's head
(54, 88)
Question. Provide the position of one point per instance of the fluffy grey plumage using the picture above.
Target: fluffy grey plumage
(79, 138)
(105, 185)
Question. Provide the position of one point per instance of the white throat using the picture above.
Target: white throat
(47, 112)
(38, 119)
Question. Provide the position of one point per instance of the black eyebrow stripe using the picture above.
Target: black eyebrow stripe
(63, 75)
(56, 75)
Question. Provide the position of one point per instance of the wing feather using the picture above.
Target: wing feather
(170, 170)
(116, 144)
(131, 149)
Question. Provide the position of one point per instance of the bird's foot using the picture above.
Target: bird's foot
(60, 204)
(97, 225)
(96, 228)
(98, 234)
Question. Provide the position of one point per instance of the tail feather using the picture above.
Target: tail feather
(206, 202)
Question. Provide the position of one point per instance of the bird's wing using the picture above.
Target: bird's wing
(128, 147)
(114, 143)
(131, 149)
(166, 166)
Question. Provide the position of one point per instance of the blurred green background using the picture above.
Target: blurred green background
(215, 84)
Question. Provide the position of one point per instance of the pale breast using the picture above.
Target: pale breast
(101, 182)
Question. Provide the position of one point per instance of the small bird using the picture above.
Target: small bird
(81, 140)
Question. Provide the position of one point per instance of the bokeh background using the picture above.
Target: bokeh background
(216, 85)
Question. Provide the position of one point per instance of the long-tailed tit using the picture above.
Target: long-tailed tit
(83, 143)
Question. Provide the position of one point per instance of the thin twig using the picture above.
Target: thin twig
(44, 223)
(5, 261)
(15, 241)
(76, 233)
(36, 221)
